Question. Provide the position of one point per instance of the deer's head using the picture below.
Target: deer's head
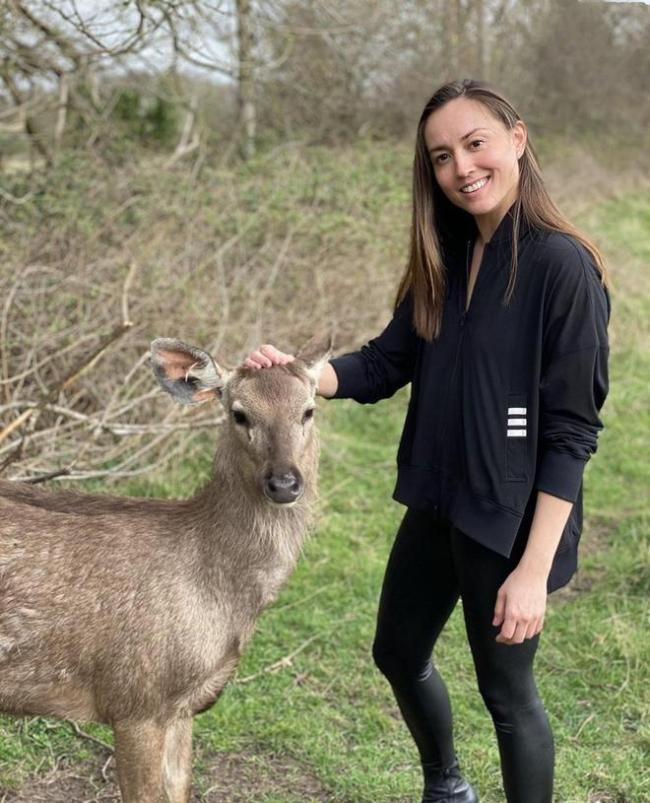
(269, 411)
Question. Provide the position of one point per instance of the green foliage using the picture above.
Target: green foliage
(148, 119)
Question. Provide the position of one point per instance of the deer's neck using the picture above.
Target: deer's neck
(242, 530)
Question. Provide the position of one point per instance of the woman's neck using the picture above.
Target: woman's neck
(487, 224)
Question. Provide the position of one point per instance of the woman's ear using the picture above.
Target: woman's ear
(520, 137)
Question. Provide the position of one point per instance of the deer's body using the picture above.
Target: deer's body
(135, 612)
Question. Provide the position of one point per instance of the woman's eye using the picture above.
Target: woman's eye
(307, 415)
(441, 158)
(240, 418)
(477, 143)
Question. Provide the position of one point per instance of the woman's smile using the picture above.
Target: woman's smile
(475, 187)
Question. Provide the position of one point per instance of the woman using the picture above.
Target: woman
(500, 324)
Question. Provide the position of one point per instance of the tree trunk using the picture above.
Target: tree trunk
(246, 89)
(62, 111)
(30, 128)
(481, 46)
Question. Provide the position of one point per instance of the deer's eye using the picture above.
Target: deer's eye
(307, 415)
(240, 418)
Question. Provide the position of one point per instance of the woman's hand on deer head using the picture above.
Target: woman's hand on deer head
(266, 356)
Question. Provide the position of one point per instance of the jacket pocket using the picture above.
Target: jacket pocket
(516, 435)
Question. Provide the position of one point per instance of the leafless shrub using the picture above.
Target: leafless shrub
(96, 271)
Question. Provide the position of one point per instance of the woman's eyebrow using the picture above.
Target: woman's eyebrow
(464, 137)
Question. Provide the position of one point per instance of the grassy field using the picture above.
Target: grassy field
(310, 719)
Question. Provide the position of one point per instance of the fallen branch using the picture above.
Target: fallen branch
(89, 736)
(13, 456)
(282, 663)
(81, 367)
(89, 362)
(62, 472)
(126, 320)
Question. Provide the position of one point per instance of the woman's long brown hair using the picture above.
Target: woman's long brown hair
(435, 217)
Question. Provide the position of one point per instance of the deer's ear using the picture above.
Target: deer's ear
(188, 374)
(315, 354)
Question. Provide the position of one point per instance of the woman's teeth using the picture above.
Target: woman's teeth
(475, 186)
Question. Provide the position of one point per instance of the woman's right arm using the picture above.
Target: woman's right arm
(375, 372)
(384, 365)
(328, 382)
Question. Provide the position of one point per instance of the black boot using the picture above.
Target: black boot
(446, 786)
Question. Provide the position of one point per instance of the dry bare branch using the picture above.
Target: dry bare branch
(281, 663)
(67, 380)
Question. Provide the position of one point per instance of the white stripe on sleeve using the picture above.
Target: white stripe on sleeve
(516, 433)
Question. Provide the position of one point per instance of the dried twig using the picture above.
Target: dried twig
(7, 196)
(282, 663)
(13, 456)
(87, 363)
(89, 736)
(105, 768)
(51, 475)
(128, 281)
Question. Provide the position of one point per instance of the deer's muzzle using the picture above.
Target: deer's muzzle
(283, 487)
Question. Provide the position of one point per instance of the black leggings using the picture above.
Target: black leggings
(431, 564)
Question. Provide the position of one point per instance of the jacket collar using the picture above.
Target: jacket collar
(454, 242)
(504, 233)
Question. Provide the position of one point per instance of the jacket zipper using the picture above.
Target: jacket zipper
(463, 315)
(463, 296)
(466, 307)
(444, 442)
(463, 318)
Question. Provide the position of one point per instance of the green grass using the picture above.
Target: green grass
(329, 710)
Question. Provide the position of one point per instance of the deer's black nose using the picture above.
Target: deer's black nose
(284, 487)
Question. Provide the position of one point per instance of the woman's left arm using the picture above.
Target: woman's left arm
(573, 386)
(521, 601)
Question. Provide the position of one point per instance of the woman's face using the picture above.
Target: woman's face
(475, 157)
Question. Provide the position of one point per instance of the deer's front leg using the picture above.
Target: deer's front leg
(139, 759)
(177, 762)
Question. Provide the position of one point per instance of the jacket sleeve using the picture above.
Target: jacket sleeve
(574, 380)
(384, 364)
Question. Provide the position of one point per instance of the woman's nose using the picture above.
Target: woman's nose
(464, 165)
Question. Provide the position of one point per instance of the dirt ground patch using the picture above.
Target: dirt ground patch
(66, 784)
(597, 536)
(240, 778)
(223, 778)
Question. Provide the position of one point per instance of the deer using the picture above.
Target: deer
(134, 612)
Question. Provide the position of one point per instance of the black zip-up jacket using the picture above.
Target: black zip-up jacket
(505, 401)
